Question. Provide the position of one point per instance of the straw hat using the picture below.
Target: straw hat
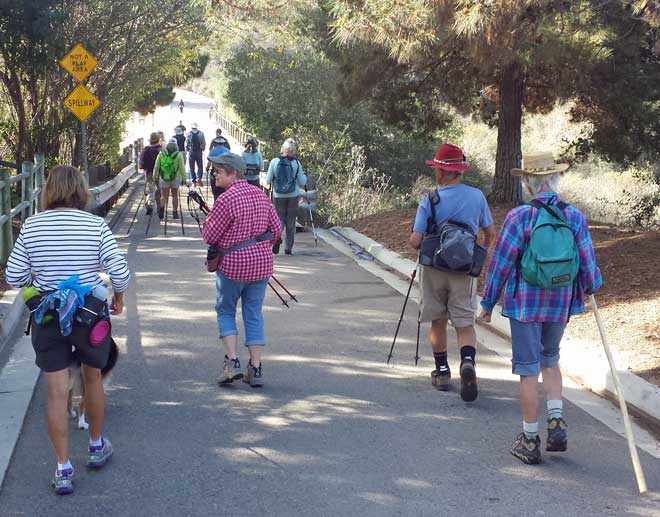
(539, 164)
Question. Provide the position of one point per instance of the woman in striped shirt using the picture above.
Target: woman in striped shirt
(54, 245)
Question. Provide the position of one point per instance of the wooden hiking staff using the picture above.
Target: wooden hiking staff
(639, 474)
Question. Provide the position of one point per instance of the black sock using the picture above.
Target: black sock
(468, 352)
(440, 361)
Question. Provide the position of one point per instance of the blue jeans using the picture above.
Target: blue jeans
(534, 345)
(195, 158)
(252, 296)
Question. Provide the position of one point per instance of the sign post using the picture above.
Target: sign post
(81, 102)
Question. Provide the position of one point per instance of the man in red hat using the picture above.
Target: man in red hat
(451, 295)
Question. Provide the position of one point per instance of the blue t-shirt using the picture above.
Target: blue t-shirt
(459, 203)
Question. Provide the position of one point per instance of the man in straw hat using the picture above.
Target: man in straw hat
(544, 262)
(445, 295)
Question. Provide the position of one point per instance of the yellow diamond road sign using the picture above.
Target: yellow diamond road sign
(81, 102)
(78, 62)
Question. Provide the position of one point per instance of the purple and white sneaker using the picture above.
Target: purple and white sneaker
(63, 482)
(99, 456)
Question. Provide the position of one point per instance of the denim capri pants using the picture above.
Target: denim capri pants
(252, 296)
(534, 345)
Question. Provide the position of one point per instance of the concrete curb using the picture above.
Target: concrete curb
(12, 311)
(581, 360)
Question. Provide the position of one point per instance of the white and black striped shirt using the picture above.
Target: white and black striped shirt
(57, 244)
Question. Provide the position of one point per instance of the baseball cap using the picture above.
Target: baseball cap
(173, 141)
(231, 160)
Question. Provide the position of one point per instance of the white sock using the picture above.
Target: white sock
(531, 429)
(554, 408)
(62, 466)
(96, 443)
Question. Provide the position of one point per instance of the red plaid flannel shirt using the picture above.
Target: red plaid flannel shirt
(242, 212)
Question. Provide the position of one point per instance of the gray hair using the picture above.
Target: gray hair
(547, 182)
(289, 148)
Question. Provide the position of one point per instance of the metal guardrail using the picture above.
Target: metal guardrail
(32, 180)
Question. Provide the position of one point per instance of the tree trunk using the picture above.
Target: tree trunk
(506, 188)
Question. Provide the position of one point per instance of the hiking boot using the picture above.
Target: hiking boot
(175, 214)
(287, 252)
(99, 456)
(161, 213)
(62, 483)
(441, 379)
(201, 183)
(557, 439)
(150, 210)
(276, 246)
(468, 381)
(253, 376)
(526, 450)
(230, 371)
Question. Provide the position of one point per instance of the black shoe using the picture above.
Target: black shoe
(468, 381)
(150, 210)
(287, 252)
(557, 439)
(161, 213)
(526, 450)
(175, 214)
(276, 246)
(441, 379)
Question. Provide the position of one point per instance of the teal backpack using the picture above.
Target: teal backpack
(552, 259)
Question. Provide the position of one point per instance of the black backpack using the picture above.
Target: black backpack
(452, 246)
(150, 155)
(194, 141)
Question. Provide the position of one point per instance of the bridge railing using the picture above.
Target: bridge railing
(238, 133)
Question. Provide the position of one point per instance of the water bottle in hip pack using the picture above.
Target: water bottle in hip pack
(285, 178)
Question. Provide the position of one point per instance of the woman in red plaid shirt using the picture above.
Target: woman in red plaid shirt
(243, 226)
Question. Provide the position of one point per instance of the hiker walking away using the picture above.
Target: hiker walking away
(540, 296)
(148, 158)
(219, 142)
(181, 104)
(59, 253)
(180, 138)
(286, 175)
(242, 226)
(216, 189)
(170, 174)
(448, 294)
(254, 162)
(195, 145)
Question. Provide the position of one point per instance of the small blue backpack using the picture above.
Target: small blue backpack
(285, 179)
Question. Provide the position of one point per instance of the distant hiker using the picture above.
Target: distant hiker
(253, 161)
(242, 227)
(286, 175)
(161, 138)
(195, 145)
(148, 158)
(58, 254)
(180, 138)
(540, 295)
(216, 189)
(181, 105)
(450, 294)
(219, 140)
(170, 174)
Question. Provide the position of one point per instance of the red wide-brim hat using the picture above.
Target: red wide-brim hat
(450, 158)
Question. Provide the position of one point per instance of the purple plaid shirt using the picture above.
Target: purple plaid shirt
(525, 302)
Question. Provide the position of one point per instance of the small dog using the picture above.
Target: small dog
(77, 384)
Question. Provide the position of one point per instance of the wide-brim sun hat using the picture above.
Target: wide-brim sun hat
(194, 125)
(449, 158)
(539, 164)
(231, 160)
(154, 138)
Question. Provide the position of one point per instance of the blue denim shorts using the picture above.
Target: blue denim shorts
(534, 344)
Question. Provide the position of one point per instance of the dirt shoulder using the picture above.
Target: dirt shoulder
(629, 300)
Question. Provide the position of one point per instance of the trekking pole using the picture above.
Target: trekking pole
(168, 199)
(403, 310)
(311, 218)
(137, 210)
(279, 296)
(419, 324)
(637, 466)
(178, 196)
(285, 289)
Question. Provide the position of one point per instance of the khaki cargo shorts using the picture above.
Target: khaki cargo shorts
(448, 296)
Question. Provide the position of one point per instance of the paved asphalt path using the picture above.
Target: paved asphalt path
(333, 432)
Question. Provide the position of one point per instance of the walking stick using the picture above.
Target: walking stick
(639, 474)
(311, 218)
(137, 210)
(178, 196)
(419, 324)
(279, 296)
(285, 289)
(403, 310)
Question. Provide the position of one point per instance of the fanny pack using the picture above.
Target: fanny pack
(451, 247)
(214, 255)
